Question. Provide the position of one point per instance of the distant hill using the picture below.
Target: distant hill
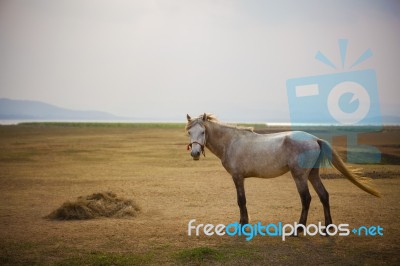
(35, 110)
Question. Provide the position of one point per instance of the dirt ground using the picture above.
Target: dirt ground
(41, 167)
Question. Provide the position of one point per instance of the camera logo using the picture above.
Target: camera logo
(345, 98)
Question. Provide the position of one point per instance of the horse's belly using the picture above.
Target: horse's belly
(273, 173)
(270, 172)
(265, 167)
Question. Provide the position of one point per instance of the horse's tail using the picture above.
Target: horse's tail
(330, 155)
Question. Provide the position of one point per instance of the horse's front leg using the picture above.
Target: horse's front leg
(241, 198)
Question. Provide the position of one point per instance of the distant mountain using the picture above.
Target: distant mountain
(35, 110)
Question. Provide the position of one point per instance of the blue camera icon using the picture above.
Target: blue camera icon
(347, 98)
(338, 104)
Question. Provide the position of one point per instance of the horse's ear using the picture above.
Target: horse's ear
(188, 118)
(205, 117)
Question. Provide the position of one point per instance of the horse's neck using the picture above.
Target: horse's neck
(218, 138)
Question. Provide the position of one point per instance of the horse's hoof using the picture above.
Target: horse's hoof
(325, 233)
(298, 233)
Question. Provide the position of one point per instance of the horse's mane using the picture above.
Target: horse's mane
(212, 118)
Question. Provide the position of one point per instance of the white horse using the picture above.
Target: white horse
(244, 153)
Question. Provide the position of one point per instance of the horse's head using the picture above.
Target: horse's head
(197, 135)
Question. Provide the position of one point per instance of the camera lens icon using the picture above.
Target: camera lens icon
(348, 102)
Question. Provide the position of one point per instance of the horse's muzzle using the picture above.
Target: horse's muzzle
(195, 155)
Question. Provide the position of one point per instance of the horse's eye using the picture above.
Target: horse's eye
(189, 132)
(202, 133)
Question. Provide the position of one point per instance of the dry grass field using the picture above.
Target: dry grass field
(43, 166)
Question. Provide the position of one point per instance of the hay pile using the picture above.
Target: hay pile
(105, 204)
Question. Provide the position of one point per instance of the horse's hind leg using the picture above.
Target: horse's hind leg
(322, 194)
(300, 178)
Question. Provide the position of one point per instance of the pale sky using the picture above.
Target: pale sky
(161, 59)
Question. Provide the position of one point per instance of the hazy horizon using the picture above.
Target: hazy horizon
(163, 59)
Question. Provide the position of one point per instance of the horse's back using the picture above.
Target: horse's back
(267, 155)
